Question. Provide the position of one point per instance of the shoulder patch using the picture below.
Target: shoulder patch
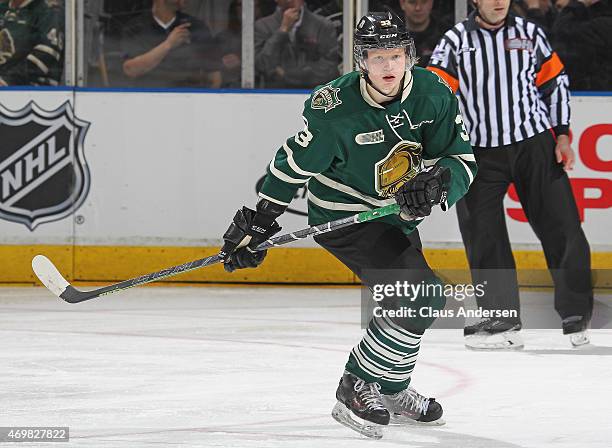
(443, 81)
(325, 98)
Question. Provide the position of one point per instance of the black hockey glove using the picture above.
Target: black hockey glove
(248, 229)
(428, 188)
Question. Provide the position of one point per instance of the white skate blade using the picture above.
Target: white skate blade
(580, 339)
(507, 340)
(403, 420)
(342, 415)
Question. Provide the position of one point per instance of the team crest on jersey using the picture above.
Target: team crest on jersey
(43, 173)
(401, 165)
(326, 98)
(519, 44)
(370, 138)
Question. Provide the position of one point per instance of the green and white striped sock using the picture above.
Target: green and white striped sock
(386, 354)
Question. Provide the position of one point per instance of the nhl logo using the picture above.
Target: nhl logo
(43, 173)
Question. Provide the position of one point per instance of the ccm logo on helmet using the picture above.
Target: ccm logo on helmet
(387, 36)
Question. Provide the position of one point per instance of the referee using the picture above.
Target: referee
(514, 98)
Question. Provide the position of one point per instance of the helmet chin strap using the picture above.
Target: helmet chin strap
(369, 81)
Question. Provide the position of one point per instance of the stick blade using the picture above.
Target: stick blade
(49, 276)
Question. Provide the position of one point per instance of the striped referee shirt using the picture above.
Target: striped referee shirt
(511, 84)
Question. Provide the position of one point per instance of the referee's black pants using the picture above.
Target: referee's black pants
(545, 193)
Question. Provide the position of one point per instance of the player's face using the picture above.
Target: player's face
(386, 68)
(493, 11)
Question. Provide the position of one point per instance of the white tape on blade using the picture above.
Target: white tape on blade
(49, 275)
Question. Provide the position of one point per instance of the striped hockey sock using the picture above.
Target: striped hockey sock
(386, 354)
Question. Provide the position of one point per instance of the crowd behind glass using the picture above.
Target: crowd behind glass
(298, 43)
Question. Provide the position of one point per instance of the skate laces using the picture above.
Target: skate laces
(414, 400)
(370, 393)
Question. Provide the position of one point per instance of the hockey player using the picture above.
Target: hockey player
(31, 42)
(387, 132)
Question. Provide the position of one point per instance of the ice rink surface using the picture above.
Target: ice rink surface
(258, 367)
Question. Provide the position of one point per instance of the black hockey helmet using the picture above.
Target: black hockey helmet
(382, 30)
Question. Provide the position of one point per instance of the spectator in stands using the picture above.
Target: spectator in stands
(384, 5)
(31, 42)
(332, 11)
(583, 36)
(164, 47)
(295, 48)
(313, 5)
(267, 7)
(229, 44)
(560, 4)
(425, 29)
(542, 12)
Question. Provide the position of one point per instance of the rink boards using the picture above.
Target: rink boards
(116, 184)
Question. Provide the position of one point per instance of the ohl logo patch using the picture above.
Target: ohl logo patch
(43, 173)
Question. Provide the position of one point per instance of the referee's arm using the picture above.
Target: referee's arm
(443, 61)
(552, 83)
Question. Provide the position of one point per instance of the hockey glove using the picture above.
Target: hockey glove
(426, 189)
(247, 230)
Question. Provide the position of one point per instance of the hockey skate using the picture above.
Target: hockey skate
(490, 334)
(410, 407)
(360, 406)
(577, 329)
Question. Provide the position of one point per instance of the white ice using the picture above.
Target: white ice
(258, 367)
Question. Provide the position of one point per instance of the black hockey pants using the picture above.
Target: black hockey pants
(380, 253)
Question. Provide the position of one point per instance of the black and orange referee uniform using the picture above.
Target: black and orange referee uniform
(514, 98)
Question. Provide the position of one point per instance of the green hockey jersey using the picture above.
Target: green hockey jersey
(32, 43)
(355, 153)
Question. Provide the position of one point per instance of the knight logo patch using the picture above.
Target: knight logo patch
(43, 173)
(325, 98)
(401, 165)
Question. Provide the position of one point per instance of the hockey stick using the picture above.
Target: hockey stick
(49, 276)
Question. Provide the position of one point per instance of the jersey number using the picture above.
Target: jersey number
(304, 137)
(464, 134)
